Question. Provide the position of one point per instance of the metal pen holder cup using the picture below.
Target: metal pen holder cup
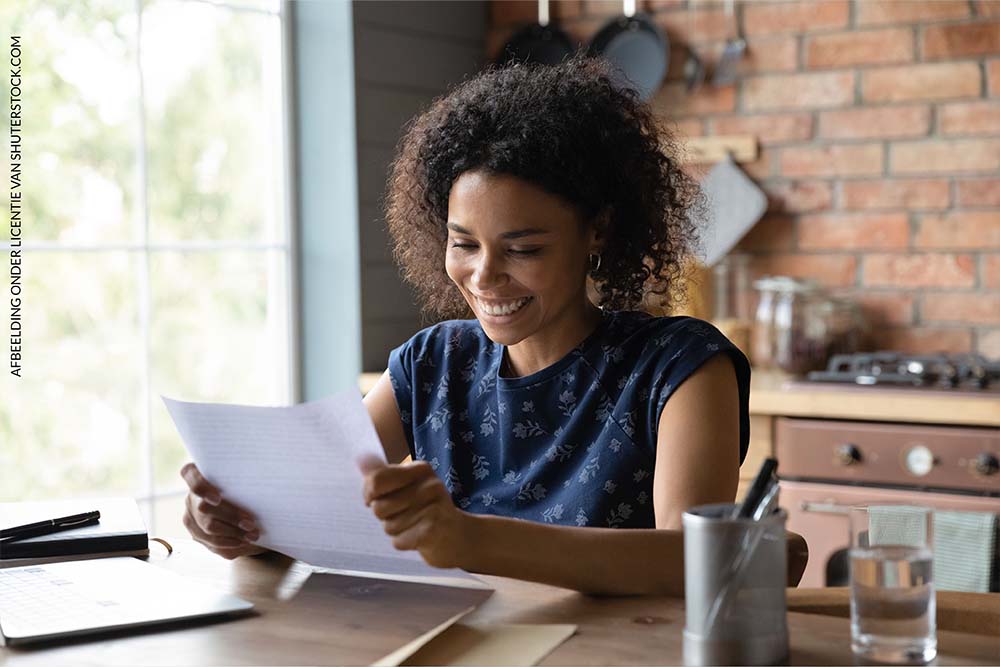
(734, 583)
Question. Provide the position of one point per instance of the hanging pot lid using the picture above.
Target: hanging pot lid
(540, 42)
(636, 45)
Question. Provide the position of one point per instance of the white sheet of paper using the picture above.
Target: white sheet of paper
(295, 469)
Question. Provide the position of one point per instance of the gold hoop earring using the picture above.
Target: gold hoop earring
(590, 258)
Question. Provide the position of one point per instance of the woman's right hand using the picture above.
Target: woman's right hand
(223, 527)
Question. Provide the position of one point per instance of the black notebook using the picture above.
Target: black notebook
(120, 531)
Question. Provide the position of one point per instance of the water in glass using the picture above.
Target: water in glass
(893, 604)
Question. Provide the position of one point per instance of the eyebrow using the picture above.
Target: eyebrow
(516, 234)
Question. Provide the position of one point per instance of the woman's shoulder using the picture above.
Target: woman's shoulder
(445, 338)
(654, 334)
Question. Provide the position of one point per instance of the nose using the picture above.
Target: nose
(488, 272)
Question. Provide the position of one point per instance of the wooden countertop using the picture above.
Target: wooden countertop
(774, 394)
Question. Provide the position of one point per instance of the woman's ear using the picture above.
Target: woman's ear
(600, 229)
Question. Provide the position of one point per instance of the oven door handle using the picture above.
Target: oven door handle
(828, 507)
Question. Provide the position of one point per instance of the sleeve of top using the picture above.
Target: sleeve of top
(685, 345)
(401, 370)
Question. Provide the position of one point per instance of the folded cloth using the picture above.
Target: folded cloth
(903, 525)
(965, 543)
(964, 550)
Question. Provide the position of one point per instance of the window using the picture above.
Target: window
(157, 245)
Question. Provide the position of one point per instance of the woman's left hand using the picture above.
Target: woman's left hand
(416, 510)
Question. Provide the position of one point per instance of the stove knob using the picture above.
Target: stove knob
(987, 464)
(919, 460)
(847, 454)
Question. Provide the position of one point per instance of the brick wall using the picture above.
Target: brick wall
(879, 128)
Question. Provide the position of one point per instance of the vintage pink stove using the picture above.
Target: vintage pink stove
(826, 466)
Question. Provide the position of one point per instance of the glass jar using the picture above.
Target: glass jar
(762, 334)
(847, 327)
(801, 329)
(761, 354)
(731, 297)
(731, 293)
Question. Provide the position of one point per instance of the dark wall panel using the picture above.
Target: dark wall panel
(406, 54)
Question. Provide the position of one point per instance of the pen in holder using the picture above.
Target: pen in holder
(734, 580)
(731, 581)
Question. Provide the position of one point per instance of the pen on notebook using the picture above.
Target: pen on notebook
(49, 526)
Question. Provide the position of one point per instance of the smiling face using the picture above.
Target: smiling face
(519, 257)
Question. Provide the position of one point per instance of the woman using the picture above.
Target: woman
(538, 422)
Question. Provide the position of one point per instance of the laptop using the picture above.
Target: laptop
(57, 600)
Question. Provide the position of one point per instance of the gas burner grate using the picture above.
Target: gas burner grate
(943, 371)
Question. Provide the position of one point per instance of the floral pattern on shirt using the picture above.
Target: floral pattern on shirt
(572, 444)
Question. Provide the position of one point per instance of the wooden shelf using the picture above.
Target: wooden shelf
(699, 150)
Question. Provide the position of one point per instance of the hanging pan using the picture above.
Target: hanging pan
(537, 43)
(639, 49)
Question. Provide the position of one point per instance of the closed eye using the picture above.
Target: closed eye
(532, 251)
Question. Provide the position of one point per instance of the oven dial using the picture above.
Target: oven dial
(919, 460)
(847, 454)
(987, 464)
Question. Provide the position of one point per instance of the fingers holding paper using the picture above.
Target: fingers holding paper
(220, 525)
(416, 510)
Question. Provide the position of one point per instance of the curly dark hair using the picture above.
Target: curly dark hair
(571, 130)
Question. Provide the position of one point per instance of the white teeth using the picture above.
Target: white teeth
(506, 309)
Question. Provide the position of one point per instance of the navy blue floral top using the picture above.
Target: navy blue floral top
(574, 443)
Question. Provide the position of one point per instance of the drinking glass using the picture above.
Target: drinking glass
(892, 583)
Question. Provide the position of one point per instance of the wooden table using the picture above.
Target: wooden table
(314, 629)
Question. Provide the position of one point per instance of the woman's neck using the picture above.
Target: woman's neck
(547, 346)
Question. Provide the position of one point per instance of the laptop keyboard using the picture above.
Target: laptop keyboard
(55, 599)
(34, 599)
